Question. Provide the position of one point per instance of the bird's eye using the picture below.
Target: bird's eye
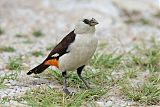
(86, 21)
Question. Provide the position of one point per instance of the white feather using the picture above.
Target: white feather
(55, 55)
(81, 50)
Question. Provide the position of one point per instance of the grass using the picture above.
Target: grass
(131, 19)
(157, 15)
(100, 77)
(11, 76)
(106, 60)
(147, 93)
(15, 63)
(145, 59)
(7, 49)
(130, 73)
(1, 31)
(19, 34)
(154, 78)
(106, 71)
(49, 97)
(37, 53)
(144, 21)
(28, 41)
(72, 81)
(1, 82)
(7, 76)
(148, 58)
(38, 33)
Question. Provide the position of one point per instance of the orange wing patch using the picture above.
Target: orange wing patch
(52, 62)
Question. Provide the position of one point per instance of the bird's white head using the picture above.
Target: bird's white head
(85, 26)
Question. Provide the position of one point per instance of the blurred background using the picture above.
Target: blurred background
(31, 25)
(125, 19)
(31, 28)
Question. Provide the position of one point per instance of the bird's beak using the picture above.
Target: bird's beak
(93, 22)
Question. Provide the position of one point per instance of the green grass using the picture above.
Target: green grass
(38, 33)
(144, 21)
(106, 60)
(157, 15)
(105, 72)
(37, 53)
(98, 74)
(154, 78)
(102, 45)
(130, 73)
(4, 100)
(2, 82)
(19, 34)
(15, 63)
(148, 58)
(145, 59)
(27, 41)
(11, 76)
(1, 31)
(98, 79)
(7, 49)
(47, 97)
(147, 93)
(7, 76)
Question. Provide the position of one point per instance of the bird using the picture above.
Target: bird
(73, 52)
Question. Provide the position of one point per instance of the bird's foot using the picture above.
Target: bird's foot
(66, 91)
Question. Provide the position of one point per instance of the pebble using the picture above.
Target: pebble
(109, 104)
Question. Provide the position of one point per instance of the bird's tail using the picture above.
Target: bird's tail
(38, 69)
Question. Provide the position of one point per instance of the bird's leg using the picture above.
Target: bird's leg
(64, 74)
(79, 71)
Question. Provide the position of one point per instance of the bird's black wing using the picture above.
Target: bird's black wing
(62, 47)
(60, 50)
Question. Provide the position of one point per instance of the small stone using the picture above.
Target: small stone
(109, 104)
(8, 84)
(100, 104)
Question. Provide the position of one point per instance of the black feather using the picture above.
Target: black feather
(38, 69)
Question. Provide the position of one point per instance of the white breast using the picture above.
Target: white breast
(80, 51)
